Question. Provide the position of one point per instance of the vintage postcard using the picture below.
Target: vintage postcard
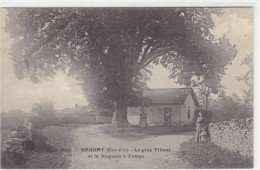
(127, 87)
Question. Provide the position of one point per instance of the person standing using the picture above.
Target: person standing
(200, 123)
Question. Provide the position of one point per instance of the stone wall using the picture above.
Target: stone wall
(235, 135)
(17, 138)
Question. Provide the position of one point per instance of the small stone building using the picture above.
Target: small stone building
(166, 107)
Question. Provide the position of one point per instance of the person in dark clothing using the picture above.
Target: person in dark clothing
(200, 123)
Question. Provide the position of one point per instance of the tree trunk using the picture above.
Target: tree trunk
(207, 100)
(206, 107)
(143, 118)
(120, 115)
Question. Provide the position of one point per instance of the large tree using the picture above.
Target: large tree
(110, 49)
(205, 68)
(248, 78)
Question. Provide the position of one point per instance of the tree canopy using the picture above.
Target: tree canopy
(110, 50)
(247, 78)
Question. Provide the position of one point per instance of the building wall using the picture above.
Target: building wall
(189, 105)
(235, 135)
(176, 115)
(133, 115)
(155, 115)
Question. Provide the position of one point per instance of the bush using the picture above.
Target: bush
(45, 114)
(226, 107)
(13, 118)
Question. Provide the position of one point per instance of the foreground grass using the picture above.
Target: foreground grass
(136, 132)
(208, 155)
(52, 150)
(49, 146)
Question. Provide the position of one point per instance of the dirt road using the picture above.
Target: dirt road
(86, 155)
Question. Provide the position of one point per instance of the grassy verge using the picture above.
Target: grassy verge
(135, 132)
(52, 150)
(208, 155)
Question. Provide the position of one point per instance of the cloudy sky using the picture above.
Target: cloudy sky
(237, 23)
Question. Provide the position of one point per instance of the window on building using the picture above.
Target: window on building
(188, 114)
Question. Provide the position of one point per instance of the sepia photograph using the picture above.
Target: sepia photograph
(127, 87)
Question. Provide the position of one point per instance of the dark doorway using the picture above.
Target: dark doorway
(167, 116)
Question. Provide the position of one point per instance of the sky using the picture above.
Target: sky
(237, 23)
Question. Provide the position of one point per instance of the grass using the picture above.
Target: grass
(208, 155)
(45, 160)
(47, 153)
(58, 136)
(48, 145)
(137, 133)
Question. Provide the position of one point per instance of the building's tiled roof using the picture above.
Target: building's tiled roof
(168, 96)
